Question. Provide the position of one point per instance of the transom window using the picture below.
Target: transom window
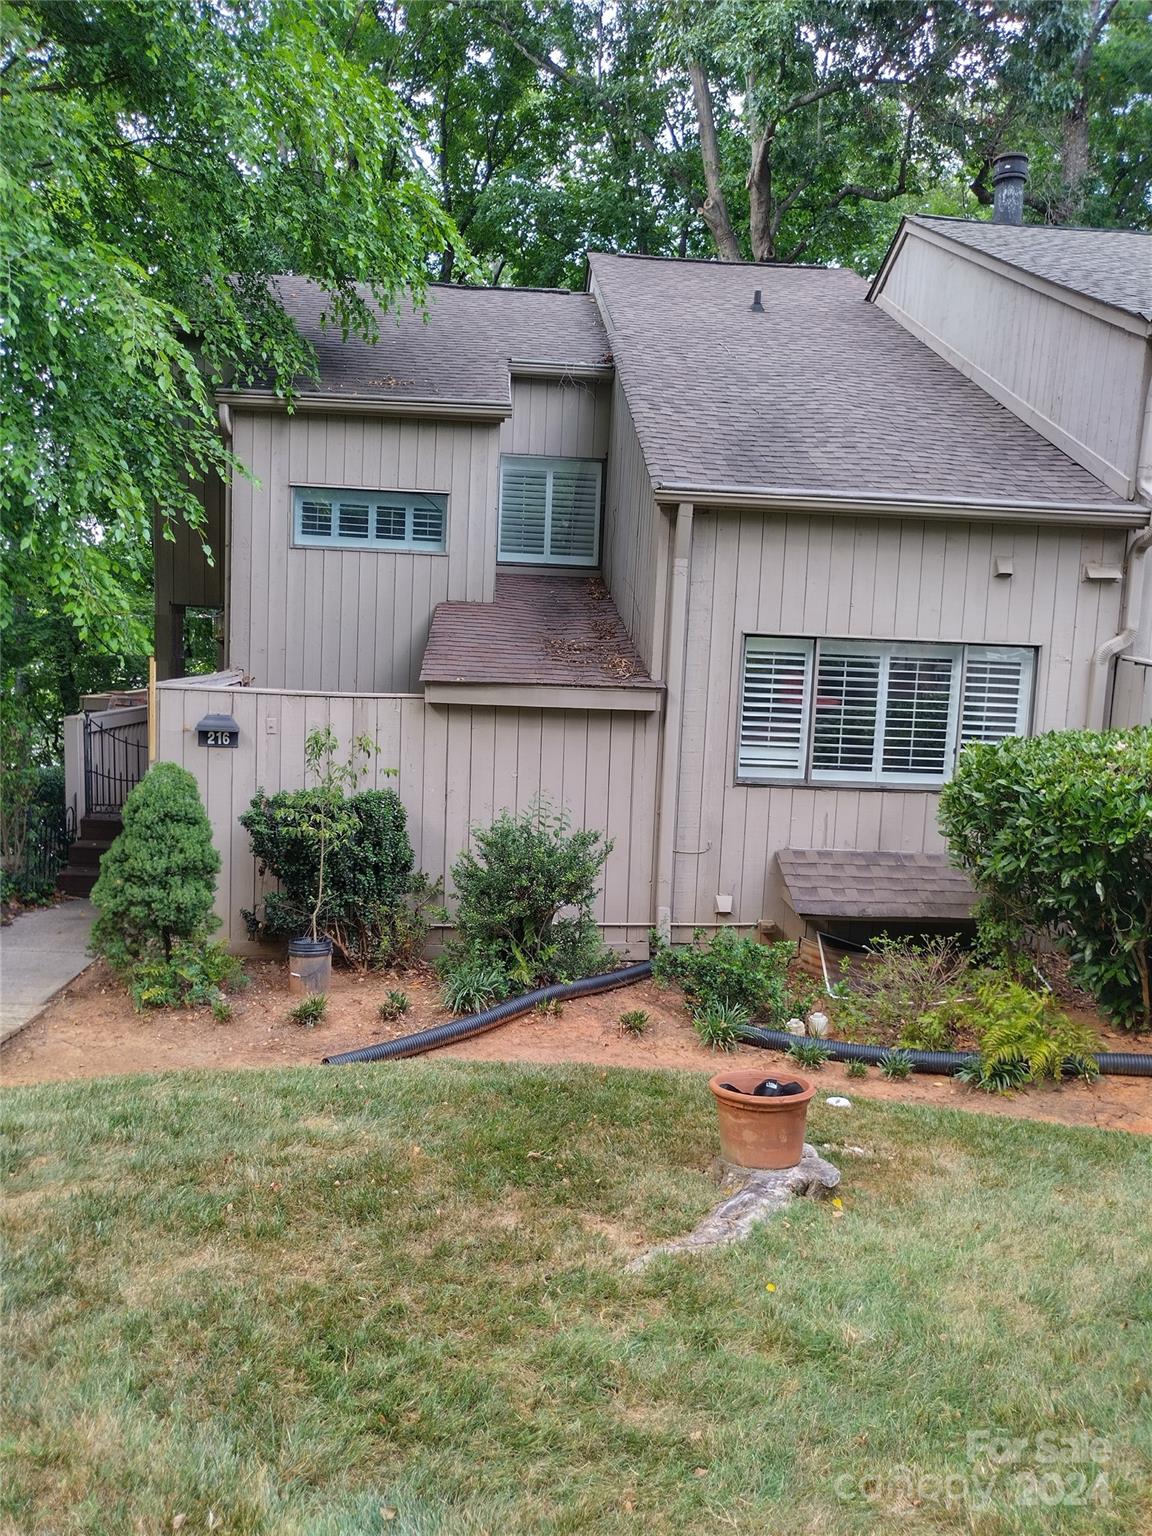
(550, 511)
(407, 520)
(866, 711)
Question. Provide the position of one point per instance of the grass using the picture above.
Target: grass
(293, 1302)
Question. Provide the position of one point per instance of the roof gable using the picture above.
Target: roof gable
(1112, 266)
(819, 393)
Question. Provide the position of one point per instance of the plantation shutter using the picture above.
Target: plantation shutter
(997, 695)
(396, 520)
(353, 519)
(550, 511)
(847, 707)
(774, 707)
(919, 715)
(316, 518)
(427, 522)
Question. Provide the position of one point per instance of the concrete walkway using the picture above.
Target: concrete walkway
(40, 952)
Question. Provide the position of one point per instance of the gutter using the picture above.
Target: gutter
(533, 368)
(1132, 600)
(367, 405)
(669, 785)
(1069, 514)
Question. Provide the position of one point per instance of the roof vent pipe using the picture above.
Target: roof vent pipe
(757, 303)
(1009, 178)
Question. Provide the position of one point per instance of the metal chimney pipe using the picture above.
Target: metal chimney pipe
(757, 303)
(1009, 178)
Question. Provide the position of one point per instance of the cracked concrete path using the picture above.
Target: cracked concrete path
(40, 952)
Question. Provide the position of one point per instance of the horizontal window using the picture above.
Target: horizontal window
(406, 520)
(550, 511)
(865, 711)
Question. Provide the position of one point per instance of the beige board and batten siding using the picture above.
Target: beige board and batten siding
(558, 418)
(457, 767)
(1074, 370)
(884, 579)
(636, 547)
(352, 621)
(1131, 694)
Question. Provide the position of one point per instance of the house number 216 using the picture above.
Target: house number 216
(219, 739)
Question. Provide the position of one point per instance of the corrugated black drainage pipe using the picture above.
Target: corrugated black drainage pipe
(500, 1013)
(1111, 1063)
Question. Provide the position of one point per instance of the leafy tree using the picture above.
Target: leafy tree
(164, 159)
(157, 882)
(1056, 831)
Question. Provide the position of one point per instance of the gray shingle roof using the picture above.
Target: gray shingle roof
(821, 392)
(822, 882)
(461, 353)
(559, 628)
(1112, 265)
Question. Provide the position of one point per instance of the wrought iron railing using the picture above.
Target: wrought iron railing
(115, 758)
(41, 852)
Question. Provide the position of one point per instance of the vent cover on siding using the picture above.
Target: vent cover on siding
(550, 511)
(774, 706)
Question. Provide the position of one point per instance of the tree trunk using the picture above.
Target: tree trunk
(714, 209)
(761, 222)
(1073, 162)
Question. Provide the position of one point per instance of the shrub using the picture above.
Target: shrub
(856, 1068)
(728, 971)
(512, 885)
(1024, 1037)
(907, 992)
(718, 1026)
(373, 905)
(192, 976)
(158, 879)
(394, 1006)
(310, 1011)
(1057, 831)
(634, 1021)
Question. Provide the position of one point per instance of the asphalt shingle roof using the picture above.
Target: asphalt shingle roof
(461, 353)
(822, 392)
(1112, 265)
(560, 628)
(823, 882)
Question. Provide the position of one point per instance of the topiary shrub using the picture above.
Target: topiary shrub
(512, 886)
(157, 882)
(1056, 831)
(372, 901)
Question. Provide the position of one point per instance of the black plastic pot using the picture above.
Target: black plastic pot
(309, 965)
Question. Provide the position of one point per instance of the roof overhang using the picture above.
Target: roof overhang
(637, 699)
(541, 368)
(314, 402)
(956, 509)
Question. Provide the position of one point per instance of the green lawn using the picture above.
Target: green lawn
(392, 1299)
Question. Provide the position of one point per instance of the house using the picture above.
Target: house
(730, 560)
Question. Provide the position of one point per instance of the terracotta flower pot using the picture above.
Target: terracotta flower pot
(761, 1133)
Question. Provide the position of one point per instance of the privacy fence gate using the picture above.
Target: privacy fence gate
(115, 759)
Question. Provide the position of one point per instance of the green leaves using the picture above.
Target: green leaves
(1057, 829)
(163, 160)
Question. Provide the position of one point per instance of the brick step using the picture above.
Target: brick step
(86, 853)
(76, 882)
(101, 829)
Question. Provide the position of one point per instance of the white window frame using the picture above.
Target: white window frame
(877, 776)
(409, 501)
(549, 466)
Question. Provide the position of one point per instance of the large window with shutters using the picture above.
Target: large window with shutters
(866, 711)
(415, 521)
(550, 511)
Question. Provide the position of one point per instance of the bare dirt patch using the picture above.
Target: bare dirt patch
(91, 1030)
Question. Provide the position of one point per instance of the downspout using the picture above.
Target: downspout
(1133, 585)
(673, 716)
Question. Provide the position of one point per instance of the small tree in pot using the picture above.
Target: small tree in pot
(321, 820)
